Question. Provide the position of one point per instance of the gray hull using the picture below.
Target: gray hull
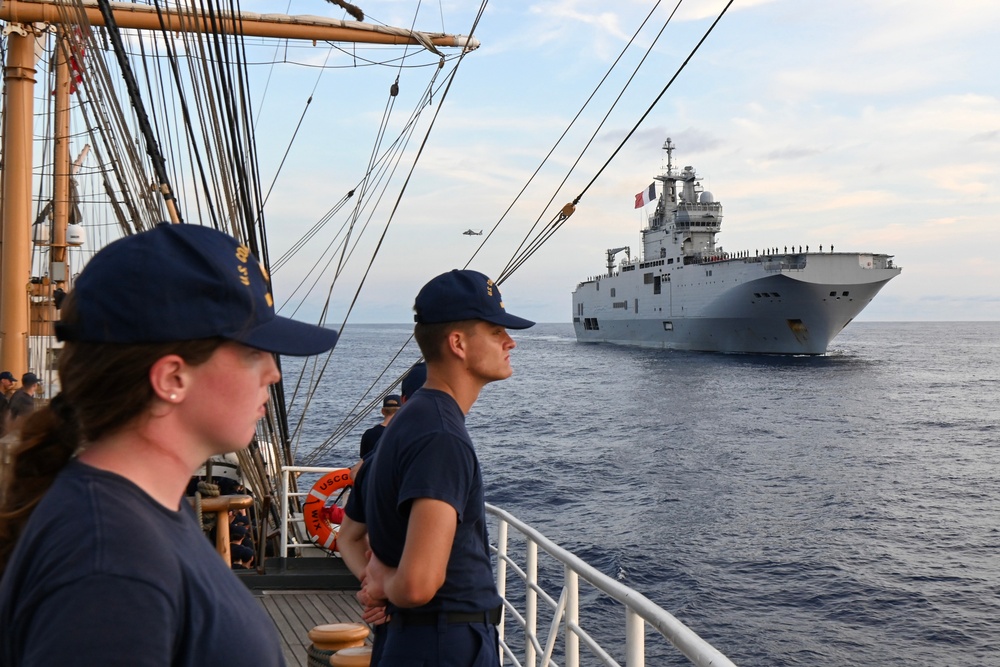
(792, 304)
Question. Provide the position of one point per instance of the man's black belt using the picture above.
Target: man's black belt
(490, 616)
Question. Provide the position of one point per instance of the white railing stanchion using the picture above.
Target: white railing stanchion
(572, 618)
(635, 637)
(531, 603)
(283, 550)
(502, 576)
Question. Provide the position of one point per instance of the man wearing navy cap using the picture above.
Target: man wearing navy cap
(6, 385)
(370, 437)
(424, 497)
(22, 402)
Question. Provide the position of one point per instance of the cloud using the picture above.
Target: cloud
(870, 126)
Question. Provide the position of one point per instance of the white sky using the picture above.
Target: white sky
(873, 126)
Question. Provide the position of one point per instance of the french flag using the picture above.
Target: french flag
(646, 196)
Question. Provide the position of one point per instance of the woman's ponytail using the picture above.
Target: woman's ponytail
(48, 438)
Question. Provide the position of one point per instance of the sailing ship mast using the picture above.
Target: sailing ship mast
(28, 309)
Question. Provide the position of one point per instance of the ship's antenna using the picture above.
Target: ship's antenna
(669, 147)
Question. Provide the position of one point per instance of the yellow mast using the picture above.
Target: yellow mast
(19, 81)
(15, 254)
(41, 308)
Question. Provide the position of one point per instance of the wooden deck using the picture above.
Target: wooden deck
(295, 613)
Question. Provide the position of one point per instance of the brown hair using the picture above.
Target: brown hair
(105, 387)
(431, 337)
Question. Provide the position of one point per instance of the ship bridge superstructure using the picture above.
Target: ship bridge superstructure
(687, 217)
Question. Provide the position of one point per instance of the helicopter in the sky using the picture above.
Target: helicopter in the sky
(472, 232)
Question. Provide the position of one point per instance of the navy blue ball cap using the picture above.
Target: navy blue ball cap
(7, 375)
(413, 380)
(240, 553)
(464, 295)
(184, 282)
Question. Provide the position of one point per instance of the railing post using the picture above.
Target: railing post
(502, 574)
(531, 602)
(635, 637)
(640, 611)
(572, 617)
(283, 550)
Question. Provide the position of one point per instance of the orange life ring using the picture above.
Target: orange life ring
(319, 518)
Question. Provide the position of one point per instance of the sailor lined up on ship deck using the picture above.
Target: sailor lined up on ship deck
(7, 383)
(390, 404)
(170, 342)
(424, 495)
(352, 540)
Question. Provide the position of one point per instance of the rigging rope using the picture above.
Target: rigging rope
(562, 136)
(449, 80)
(152, 148)
(384, 175)
(528, 248)
(108, 128)
(352, 419)
(560, 218)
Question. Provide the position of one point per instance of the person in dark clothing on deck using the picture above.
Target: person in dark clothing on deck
(22, 402)
(424, 493)
(352, 540)
(170, 343)
(390, 404)
(7, 383)
(6, 387)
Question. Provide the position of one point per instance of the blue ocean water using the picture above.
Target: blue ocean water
(835, 510)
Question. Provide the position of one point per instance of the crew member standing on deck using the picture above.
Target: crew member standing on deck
(7, 383)
(352, 540)
(22, 401)
(170, 342)
(424, 493)
(390, 404)
(6, 387)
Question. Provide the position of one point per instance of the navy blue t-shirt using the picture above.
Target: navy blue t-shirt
(355, 505)
(426, 452)
(370, 438)
(105, 575)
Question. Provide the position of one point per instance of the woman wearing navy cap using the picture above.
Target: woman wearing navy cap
(170, 340)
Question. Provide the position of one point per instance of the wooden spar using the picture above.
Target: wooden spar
(15, 255)
(61, 174)
(144, 17)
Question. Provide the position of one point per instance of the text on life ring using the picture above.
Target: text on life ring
(320, 518)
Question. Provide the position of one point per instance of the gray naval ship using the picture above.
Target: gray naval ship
(684, 292)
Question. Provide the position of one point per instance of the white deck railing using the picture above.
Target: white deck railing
(639, 610)
(565, 611)
(287, 519)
